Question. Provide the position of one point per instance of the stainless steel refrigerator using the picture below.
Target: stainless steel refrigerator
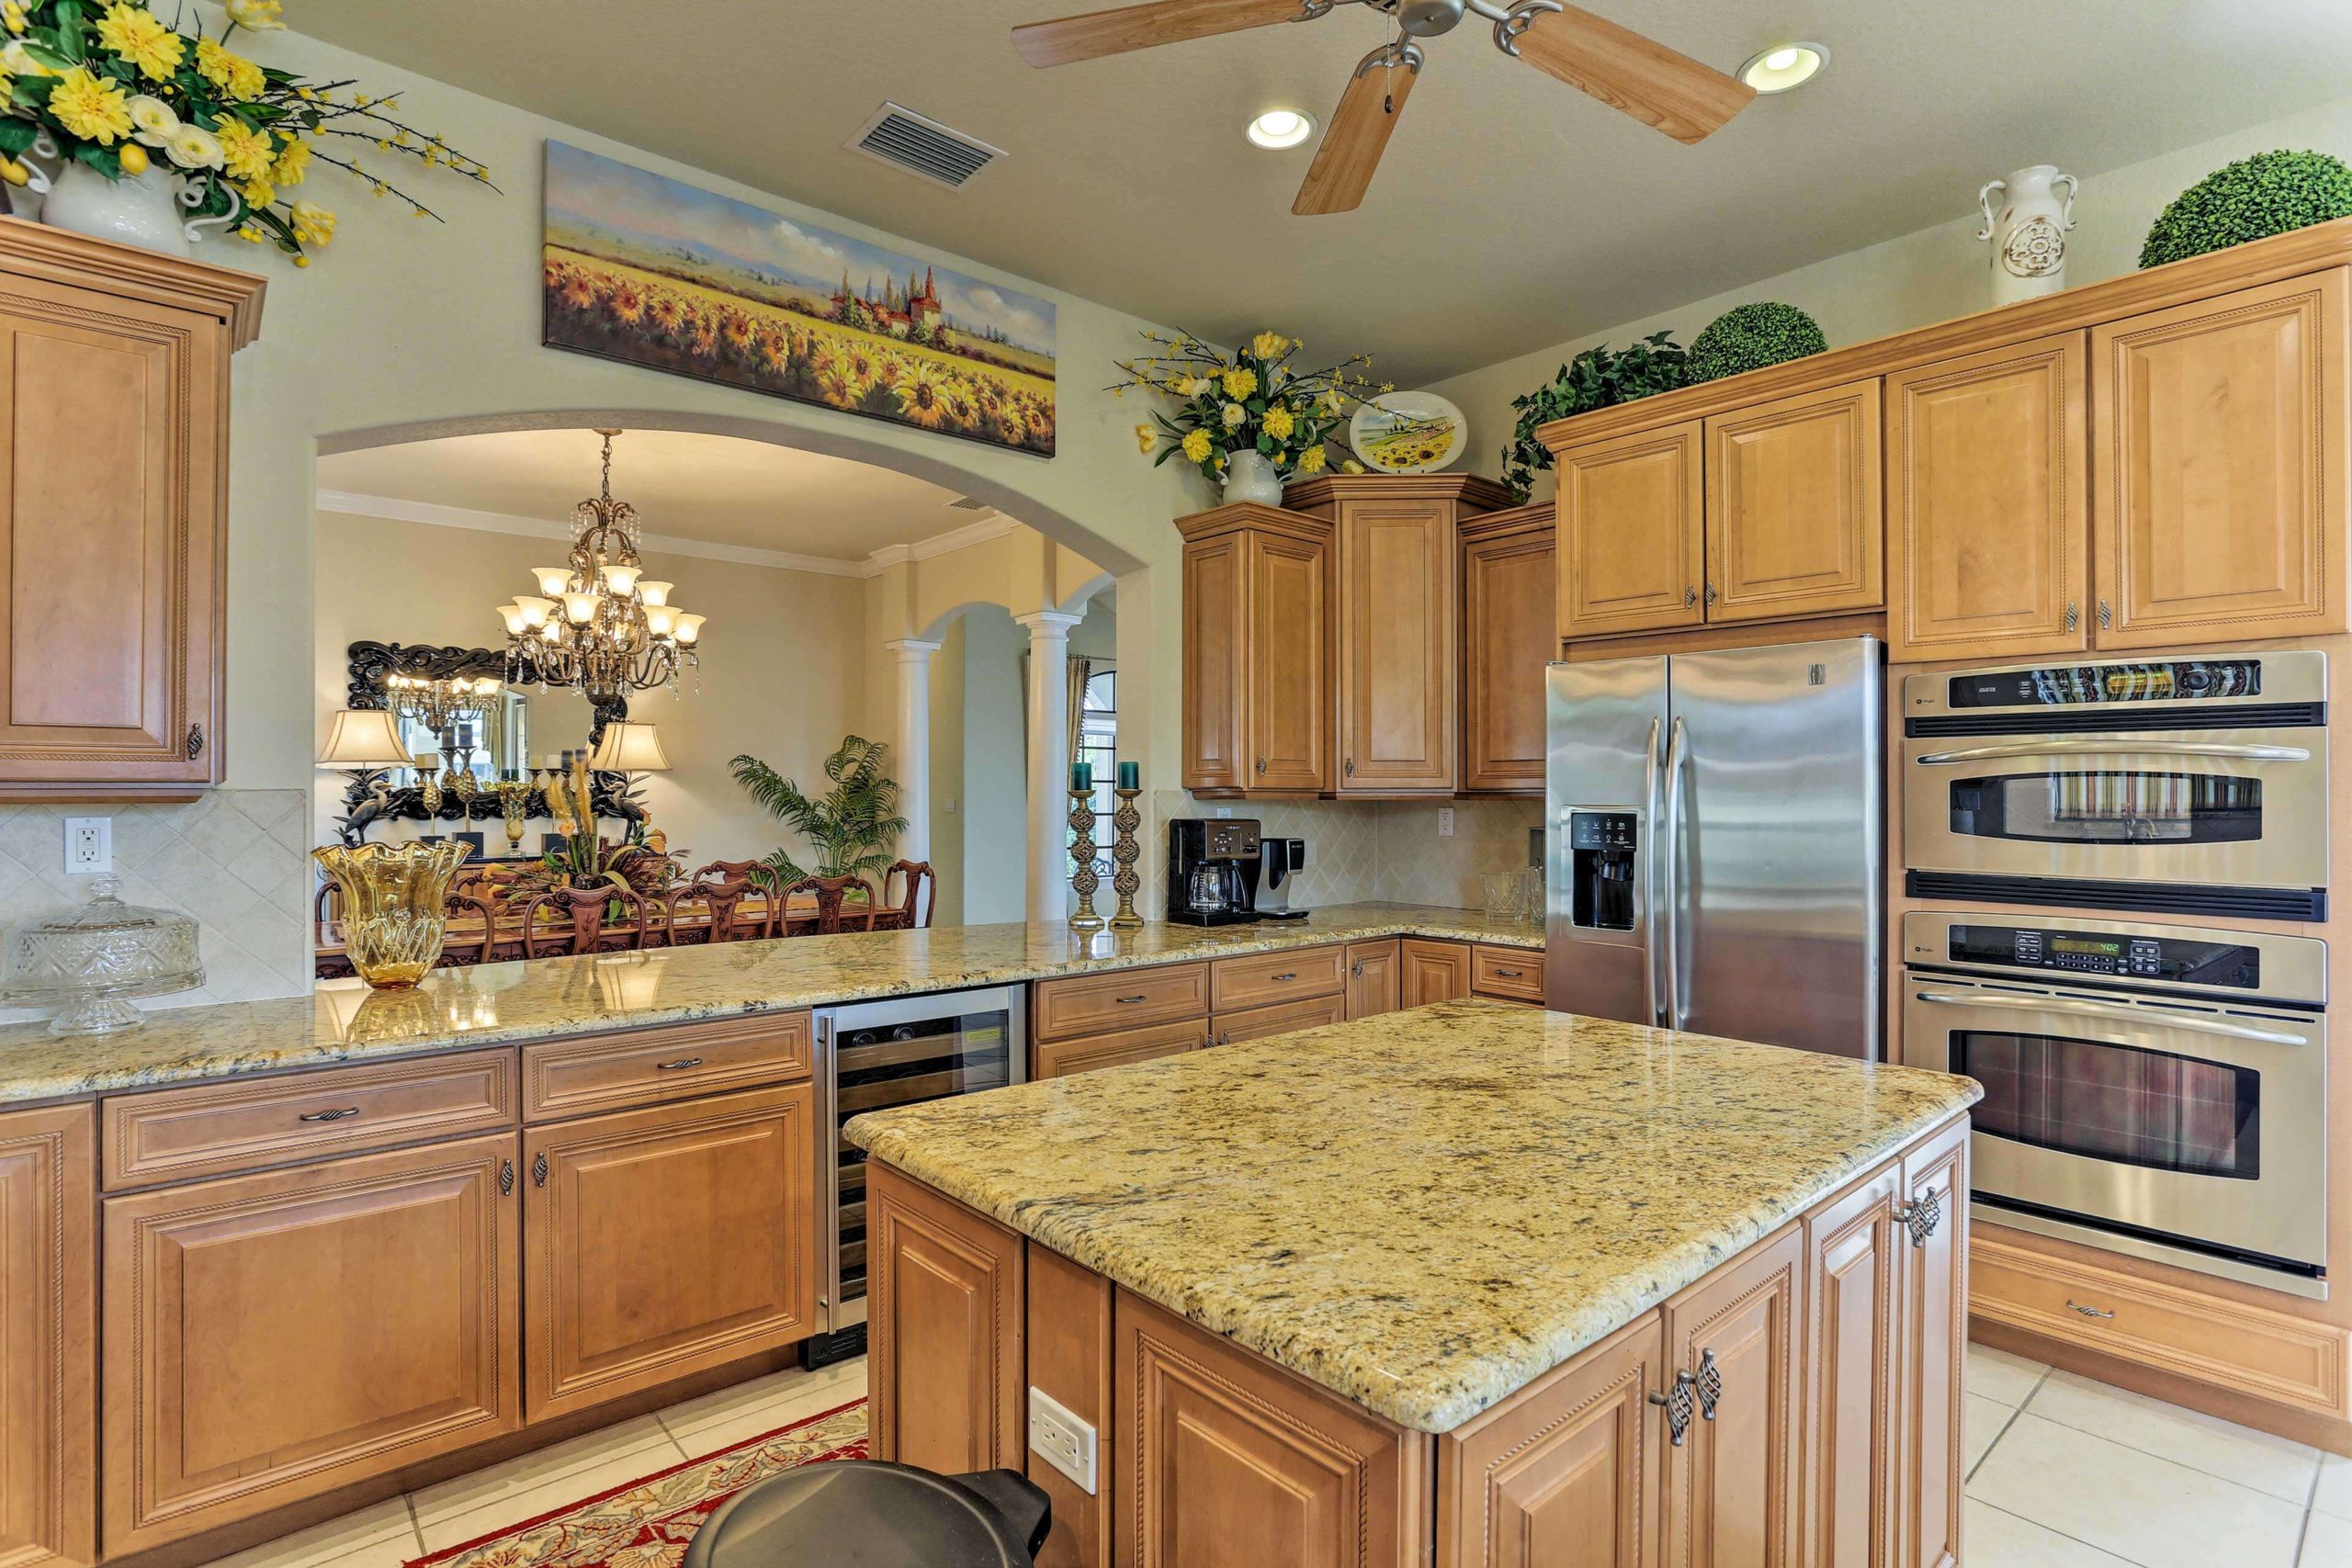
(1716, 826)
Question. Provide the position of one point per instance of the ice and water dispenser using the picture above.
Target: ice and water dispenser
(1603, 846)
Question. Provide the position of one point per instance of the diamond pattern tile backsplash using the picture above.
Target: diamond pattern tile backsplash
(1356, 850)
(237, 859)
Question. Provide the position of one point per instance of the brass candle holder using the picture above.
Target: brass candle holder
(1125, 851)
(1083, 880)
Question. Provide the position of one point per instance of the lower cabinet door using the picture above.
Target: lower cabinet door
(1732, 1484)
(1853, 1370)
(1372, 977)
(1565, 1473)
(270, 1337)
(947, 1331)
(48, 1373)
(1935, 1300)
(1223, 1459)
(667, 1241)
(1431, 972)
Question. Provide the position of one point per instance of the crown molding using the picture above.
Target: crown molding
(994, 525)
(544, 528)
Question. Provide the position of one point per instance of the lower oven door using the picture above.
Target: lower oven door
(2200, 1126)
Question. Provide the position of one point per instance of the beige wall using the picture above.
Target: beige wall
(781, 665)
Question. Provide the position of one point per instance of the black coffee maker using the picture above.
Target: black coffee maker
(1213, 870)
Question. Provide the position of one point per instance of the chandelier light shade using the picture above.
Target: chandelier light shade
(629, 747)
(363, 738)
(594, 622)
(437, 704)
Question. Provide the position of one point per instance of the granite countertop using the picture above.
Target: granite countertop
(1426, 1210)
(493, 1004)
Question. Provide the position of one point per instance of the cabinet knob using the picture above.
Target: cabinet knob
(2105, 617)
(1690, 595)
(539, 1169)
(2073, 616)
(1678, 1404)
(1921, 1216)
(195, 741)
(505, 1177)
(1710, 595)
(1261, 765)
(1708, 1382)
(1349, 767)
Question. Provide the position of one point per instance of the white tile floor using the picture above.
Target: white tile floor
(2062, 1472)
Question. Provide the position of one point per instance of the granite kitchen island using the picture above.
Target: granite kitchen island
(1534, 1288)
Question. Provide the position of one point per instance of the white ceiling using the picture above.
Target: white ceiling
(1511, 212)
(711, 490)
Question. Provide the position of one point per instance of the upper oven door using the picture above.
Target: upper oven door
(2198, 1120)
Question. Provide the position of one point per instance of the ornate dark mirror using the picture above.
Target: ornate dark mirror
(482, 750)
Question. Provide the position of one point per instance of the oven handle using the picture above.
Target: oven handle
(2118, 1015)
(2119, 748)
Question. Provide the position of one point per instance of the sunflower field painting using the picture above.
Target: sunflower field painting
(644, 268)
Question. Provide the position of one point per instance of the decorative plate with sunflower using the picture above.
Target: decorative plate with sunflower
(1408, 433)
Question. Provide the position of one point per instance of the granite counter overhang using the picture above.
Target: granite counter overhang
(1423, 1210)
(504, 1004)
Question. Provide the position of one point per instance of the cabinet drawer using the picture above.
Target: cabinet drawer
(247, 1123)
(1256, 1024)
(1511, 973)
(1095, 1004)
(1063, 1057)
(1265, 978)
(2249, 1349)
(611, 1072)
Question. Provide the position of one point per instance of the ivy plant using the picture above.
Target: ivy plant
(1597, 378)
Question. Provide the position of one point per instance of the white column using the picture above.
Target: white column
(1048, 763)
(911, 748)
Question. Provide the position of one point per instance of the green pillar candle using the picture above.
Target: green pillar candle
(1130, 775)
(1082, 775)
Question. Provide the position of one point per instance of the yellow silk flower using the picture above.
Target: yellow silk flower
(313, 224)
(232, 73)
(244, 152)
(90, 109)
(1239, 383)
(1196, 446)
(1279, 423)
(134, 33)
(293, 163)
(1269, 345)
(1311, 460)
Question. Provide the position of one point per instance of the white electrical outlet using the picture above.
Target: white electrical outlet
(89, 845)
(1446, 821)
(1061, 1440)
(1225, 811)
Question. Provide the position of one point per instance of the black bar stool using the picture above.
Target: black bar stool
(871, 1514)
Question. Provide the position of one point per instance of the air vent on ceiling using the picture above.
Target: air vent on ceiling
(924, 147)
(965, 504)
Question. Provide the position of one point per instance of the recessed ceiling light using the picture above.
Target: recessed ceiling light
(1784, 66)
(1281, 127)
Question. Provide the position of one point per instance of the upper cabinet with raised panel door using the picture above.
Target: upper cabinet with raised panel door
(1793, 523)
(1257, 646)
(113, 494)
(1396, 654)
(1632, 533)
(1989, 502)
(2219, 427)
(1509, 632)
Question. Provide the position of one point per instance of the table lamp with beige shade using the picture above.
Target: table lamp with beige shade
(628, 746)
(393, 910)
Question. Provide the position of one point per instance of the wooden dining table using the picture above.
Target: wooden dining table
(463, 941)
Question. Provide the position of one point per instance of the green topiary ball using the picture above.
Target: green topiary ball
(1749, 337)
(2270, 193)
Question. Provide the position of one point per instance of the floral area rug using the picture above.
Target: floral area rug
(647, 1523)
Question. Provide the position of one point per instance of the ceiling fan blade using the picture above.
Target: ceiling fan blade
(1099, 33)
(1358, 131)
(1658, 87)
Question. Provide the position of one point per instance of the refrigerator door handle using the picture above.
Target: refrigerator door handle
(1649, 911)
(1672, 784)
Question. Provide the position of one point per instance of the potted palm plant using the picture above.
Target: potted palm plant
(850, 828)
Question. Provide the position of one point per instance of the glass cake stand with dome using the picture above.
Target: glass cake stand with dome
(91, 961)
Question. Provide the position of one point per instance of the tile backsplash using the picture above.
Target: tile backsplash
(237, 859)
(1387, 850)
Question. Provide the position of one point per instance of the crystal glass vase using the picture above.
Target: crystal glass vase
(394, 905)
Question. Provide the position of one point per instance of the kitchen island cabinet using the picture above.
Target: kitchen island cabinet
(1591, 1350)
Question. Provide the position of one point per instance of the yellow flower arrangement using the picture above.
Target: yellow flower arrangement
(1195, 446)
(1240, 382)
(1250, 400)
(112, 82)
(1280, 421)
(1271, 346)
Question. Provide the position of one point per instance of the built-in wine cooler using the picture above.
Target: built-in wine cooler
(879, 1055)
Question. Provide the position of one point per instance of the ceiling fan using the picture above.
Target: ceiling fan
(1624, 69)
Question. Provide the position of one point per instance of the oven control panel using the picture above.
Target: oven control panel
(2070, 685)
(2183, 961)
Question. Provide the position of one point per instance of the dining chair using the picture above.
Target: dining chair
(831, 917)
(457, 942)
(920, 877)
(583, 928)
(724, 885)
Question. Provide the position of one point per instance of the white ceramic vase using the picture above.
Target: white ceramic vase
(1250, 476)
(137, 209)
(2028, 222)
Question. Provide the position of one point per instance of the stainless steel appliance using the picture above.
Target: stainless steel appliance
(1213, 870)
(2160, 1091)
(873, 1055)
(2194, 786)
(1281, 860)
(1716, 841)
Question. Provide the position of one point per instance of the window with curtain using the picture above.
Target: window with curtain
(1098, 742)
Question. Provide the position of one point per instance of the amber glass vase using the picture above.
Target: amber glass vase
(394, 905)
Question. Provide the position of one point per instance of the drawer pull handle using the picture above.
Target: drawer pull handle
(1130, 1001)
(1506, 973)
(2087, 1312)
(328, 1116)
(1290, 974)
(680, 1064)
(1921, 1216)
(1678, 1404)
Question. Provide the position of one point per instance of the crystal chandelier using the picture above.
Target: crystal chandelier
(596, 624)
(438, 703)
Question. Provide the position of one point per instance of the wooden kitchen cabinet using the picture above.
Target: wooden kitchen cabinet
(1632, 533)
(1256, 639)
(1509, 632)
(1854, 1372)
(1282, 1018)
(2219, 427)
(1431, 971)
(1989, 483)
(113, 490)
(49, 1354)
(270, 1337)
(1373, 977)
(1794, 519)
(1732, 1487)
(948, 1332)
(666, 1241)
(1935, 1346)
(1059, 1058)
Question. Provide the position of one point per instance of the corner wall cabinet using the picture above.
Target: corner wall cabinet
(114, 485)
(1257, 647)
(2155, 460)
(1509, 589)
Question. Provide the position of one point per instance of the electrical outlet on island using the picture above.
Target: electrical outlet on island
(1446, 821)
